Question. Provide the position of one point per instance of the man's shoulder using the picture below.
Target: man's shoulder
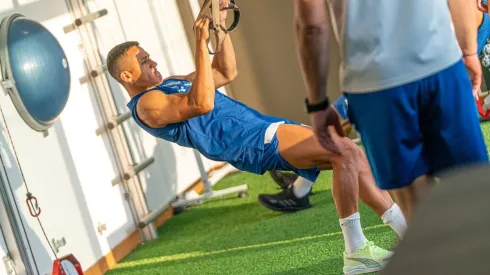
(149, 107)
(150, 98)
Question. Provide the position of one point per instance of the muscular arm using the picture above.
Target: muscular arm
(224, 65)
(224, 62)
(157, 109)
(312, 46)
(464, 20)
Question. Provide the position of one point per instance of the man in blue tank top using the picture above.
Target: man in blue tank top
(189, 111)
(410, 76)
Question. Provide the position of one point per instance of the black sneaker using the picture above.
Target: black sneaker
(285, 179)
(285, 201)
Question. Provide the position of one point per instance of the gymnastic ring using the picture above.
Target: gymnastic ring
(221, 31)
(236, 16)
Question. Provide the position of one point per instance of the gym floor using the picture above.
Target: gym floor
(238, 236)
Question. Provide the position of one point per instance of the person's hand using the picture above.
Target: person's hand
(201, 28)
(321, 121)
(472, 63)
(223, 7)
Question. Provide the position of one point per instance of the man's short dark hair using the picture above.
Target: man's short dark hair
(115, 54)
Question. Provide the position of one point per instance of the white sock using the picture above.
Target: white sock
(353, 235)
(395, 219)
(301, 187)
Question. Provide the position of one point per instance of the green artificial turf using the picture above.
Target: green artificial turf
(233, 235)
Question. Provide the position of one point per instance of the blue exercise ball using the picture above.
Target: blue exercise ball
(39, 68)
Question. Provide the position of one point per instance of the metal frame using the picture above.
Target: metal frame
(11, 232)
(9, 81)
(133, 171)
(112, 123)
(89, 18)
(93, 73)
(208, 182)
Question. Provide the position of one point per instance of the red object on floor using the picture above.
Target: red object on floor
(479, 104)
(60, 269)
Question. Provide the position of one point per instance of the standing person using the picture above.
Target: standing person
(408, 83)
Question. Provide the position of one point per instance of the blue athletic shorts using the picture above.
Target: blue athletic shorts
(274, 161)
(341, 106)
(419, 128)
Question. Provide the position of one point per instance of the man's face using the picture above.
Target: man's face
(139, 69)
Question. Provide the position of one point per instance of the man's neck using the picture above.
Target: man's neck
(151, 87)
(134, 91)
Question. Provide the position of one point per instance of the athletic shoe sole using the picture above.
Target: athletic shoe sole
(284, 210)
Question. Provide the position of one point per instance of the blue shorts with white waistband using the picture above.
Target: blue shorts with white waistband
(341, 105)
(274, 161)
(423, 127)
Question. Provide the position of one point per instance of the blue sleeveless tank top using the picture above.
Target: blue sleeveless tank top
(483, 32)
(231, 132)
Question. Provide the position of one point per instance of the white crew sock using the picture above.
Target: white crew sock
(353, 235)
(301, 187)
(395, 219)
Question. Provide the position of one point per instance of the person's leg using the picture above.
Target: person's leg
(302, 187)
(392, 138)
(453, 135)
(299, 148)
(290, 199)
(378, 200)
(352, 176)
(408, 197)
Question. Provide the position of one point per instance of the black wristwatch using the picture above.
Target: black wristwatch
(310, 108)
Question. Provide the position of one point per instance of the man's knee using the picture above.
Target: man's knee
(350, 155)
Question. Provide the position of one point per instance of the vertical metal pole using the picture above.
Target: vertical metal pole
(204, 175)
